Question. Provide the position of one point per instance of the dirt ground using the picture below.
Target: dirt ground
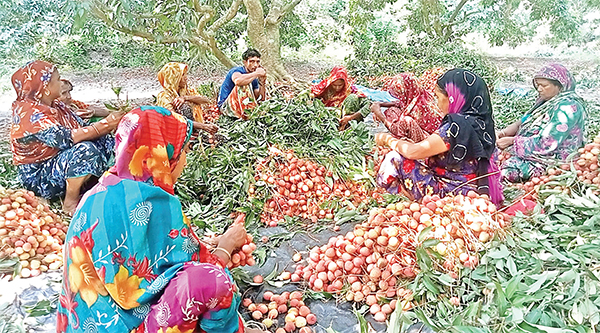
(139, 85)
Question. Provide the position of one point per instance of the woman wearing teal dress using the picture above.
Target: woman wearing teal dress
(550, 132)
(132, 262)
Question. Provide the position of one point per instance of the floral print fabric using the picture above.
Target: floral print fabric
(149, 141)
(433, 176)
(30, 115)
(48, 178)
(240, 100)
(129, 242)
(550, 132)
(413, 102)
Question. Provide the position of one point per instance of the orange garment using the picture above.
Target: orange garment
(31, 116)
(170, 77)
(321, 89)
(79, 104)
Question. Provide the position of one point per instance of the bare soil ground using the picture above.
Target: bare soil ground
(139, 85)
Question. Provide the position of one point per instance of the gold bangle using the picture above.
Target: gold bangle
(222, 249)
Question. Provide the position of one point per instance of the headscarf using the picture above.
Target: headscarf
(555, 72)
(30, 115)
(320, 90)
(471, 129)
(169, 78)
(148, 143)
(413, 101)
(129, 238)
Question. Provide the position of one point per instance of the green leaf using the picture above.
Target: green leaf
(43, 307)
(517, 315)
(363, 324)
(512, 285)
(446, 279)
(472, 310)
(576, 314)
(563, 218)
(501, 300)
(502, 252)
(575, 286)
(430, 243)
(567, 276)
(540, 280)
(548, 329)
(430, 285)
(423, 234)
(512, 267)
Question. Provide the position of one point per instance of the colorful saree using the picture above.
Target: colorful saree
(41, 138)
(468, 131)
(415, 106)
(132, 263)
(170, 77)
(550, 132)
(333, 99)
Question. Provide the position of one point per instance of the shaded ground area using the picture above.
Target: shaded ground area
(140, 84)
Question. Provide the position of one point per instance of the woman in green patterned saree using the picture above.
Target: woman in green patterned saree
(550, 132)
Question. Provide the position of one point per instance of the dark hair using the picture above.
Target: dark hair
(65, 81)
(250, 53)
(555, 82)
(442, 89)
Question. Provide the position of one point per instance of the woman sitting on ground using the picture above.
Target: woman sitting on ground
(550, 132)
(55, 152)
(132, 263)
(458, 157)
(414, 116)
(176, 96)
(83, 110)
(336, 91)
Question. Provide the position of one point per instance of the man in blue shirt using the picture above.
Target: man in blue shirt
(243, 86)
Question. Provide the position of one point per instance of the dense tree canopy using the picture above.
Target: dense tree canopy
(72, 31)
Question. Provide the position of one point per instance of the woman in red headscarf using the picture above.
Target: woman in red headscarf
(414, 115)
(337, 91)
(55, 152)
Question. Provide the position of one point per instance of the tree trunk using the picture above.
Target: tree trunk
(264, 36)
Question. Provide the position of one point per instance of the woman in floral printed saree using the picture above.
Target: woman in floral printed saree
(551, 131)
(132, 264)
(458, 157)
(414, 116)
(55, 151)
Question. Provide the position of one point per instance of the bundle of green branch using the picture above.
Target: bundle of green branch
(543, 277)
(216, 181)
